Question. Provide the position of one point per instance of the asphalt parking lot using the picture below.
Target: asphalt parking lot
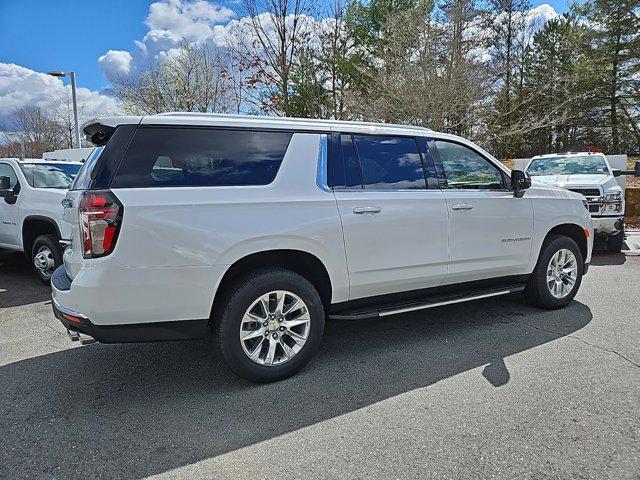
(488, 389)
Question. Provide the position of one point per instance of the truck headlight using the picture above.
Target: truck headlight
(613, 207)
(613, 197)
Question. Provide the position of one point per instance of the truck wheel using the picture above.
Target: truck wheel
(558, 273)
(46, 257)
(614, 242)
(269, 324)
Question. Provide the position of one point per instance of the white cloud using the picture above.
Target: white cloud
(116, 63)
(170, 22)
(20, 86)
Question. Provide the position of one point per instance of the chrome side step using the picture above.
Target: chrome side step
(422, 304)
(447, 302)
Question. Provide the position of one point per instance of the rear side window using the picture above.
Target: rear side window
(174, 157)
(390, 162)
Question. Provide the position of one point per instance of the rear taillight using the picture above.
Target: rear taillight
(100, 219)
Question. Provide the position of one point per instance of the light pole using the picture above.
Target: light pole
(73, 97)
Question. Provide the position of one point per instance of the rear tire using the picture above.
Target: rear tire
(46, 256)
(614, 242)
(547, 290)
(241, 302)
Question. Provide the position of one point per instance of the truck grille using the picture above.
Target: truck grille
(594, 208)
(587, 192)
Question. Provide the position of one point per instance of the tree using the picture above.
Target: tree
(34, 132)
(614, 37)
(194, 78)
(267, 43)
(505, 24)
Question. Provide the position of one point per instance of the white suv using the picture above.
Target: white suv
(30, 210)
(255, 228)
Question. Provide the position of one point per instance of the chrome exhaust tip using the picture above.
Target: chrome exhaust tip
(73, 336)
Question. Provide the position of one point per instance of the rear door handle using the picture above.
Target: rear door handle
(462, 206)
(366, 210)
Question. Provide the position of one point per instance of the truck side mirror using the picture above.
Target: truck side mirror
(635, 172)
(520, 181)
(5, 187)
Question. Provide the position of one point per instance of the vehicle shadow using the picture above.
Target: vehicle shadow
(130, 411)
(18, 284)
(599, 259)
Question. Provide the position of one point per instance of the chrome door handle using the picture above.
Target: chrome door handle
(366, 210)
(462, 206)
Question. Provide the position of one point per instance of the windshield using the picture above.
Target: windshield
(573, 165)
(50, 175)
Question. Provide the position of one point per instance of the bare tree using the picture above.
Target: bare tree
(266, 43)
(194, 78)
(33, 133)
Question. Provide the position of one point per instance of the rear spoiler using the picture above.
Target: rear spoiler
(98, 134)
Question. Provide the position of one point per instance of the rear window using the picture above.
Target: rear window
(174, 157)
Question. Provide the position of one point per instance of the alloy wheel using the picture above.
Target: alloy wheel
(275, 328)
(562, 273)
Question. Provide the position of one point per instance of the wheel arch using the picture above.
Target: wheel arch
(573, 231)
(35, 225)
(302, 262)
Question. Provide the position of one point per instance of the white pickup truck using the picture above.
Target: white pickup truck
(31, 210)
(591, 175)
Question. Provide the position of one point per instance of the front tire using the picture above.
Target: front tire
(46, 256)
(268, 324)
(558, 273)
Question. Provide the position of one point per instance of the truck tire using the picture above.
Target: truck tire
(614, 242)
(268, 324)
(46, 256)
(558, 273)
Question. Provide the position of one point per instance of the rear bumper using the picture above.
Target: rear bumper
(77, 321)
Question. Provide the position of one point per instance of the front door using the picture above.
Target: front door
(395, 228)
(8, 212)
(490, 230)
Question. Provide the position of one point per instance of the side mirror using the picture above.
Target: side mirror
(635, 172)
(5, 187)
(520, 180)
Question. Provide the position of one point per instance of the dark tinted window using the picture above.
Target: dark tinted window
(352, 173)
(465, 169)
(50, 175)
(168, 156)
(390, 162)
(83, 178)
(6, 170)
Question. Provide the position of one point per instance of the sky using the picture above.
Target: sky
(109, 39)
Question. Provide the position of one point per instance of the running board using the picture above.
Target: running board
(406, 307)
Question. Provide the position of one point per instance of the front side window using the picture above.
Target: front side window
(50, 175)
(465, 169)
(6, 170)
(568, 165)
(390, 162)
(170, 156)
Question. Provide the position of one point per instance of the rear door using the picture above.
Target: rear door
(394, 220)
(490, 229)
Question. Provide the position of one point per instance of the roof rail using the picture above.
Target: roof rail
(285, 119)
